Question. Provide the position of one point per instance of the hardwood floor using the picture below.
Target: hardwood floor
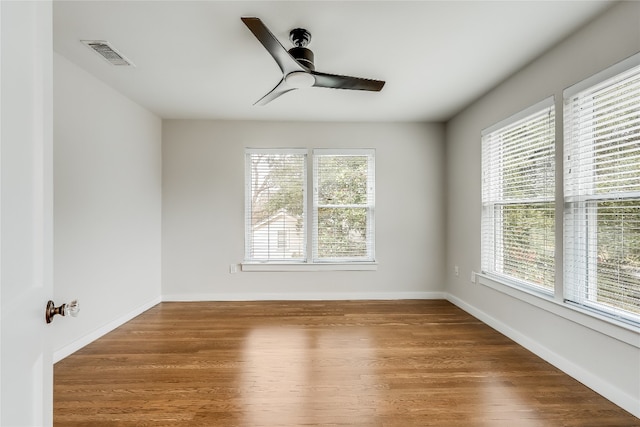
(356, 363)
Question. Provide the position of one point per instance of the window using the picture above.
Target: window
(518, 192)
(276, 206)
(343, 200)
(602, 192)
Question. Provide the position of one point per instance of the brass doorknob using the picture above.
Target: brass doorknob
(71, 309)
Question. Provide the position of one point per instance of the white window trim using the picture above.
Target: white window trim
(310, 266)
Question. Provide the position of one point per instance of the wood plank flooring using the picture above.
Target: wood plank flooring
(329, 363)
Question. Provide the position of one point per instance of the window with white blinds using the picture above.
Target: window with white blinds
(343, 205)
(602, 192)
(518, 198)
(276, 226)
(275, 205)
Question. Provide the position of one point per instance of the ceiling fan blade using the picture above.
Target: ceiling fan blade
(285, 61)
(280, 89)
(346, 82)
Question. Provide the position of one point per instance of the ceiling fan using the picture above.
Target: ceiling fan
(298, 70)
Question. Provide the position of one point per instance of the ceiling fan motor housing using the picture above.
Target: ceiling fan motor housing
(304, 56)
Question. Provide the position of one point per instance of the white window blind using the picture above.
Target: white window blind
(343, 205)
(602, 193)
(275, 205)
(518, 192)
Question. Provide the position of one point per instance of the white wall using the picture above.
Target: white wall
(107, 206)
(203, 208)
(610, 366)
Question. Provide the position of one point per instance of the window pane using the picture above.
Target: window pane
(276, 207)
(528, 166)
(518, 196)
(618, 265)
(343, 205)
(342, 232)
(528, 243)
(342, 180)
(616, 133)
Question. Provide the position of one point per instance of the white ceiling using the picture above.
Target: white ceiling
(196, 59)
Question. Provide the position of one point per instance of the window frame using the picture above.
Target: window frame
(311, 263)
(607, 322)
(369, 205)
(580, 217)
(248, 223)
(493, 205)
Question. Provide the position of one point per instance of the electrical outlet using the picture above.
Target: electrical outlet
(456, 270)
(473, 277)
(233, 268)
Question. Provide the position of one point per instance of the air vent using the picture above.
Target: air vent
(107, 51)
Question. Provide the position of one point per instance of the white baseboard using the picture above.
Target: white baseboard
(304, 296)
(614, 394)
(67, 350)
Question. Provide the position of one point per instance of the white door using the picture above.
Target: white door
(26, 370)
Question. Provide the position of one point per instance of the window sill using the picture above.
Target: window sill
(621, 331)
(350, 266)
